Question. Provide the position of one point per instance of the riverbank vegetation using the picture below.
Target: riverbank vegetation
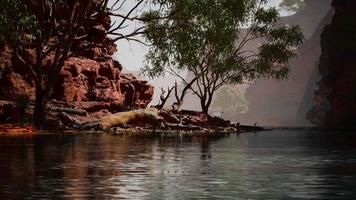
(208, 39)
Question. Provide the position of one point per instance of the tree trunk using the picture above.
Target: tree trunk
(179, 100)
(205, 105)
(40, 105)
(205, 109)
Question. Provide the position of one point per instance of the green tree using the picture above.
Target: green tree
(210, 39)
(37, 32)
(292, 5)
(42, 27)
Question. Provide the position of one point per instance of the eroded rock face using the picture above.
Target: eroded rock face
(336, 94)
(91, 80)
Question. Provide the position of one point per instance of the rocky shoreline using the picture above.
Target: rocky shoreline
(91, 83)
(64, 119)
(137, 121)
(92, 93)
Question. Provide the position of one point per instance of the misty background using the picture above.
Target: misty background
(265, 102)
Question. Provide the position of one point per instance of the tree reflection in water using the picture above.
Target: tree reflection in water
(277, 164)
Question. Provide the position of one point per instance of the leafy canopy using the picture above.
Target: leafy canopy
(210, 36)
(292, 5)
(15, 22)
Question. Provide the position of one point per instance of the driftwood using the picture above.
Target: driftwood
(182, 126)
(169, 117)
(69, 111)
(143, 116)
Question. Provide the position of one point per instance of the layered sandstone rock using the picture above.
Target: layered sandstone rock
(91, 80)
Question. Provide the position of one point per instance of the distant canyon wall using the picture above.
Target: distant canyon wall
(286, 102)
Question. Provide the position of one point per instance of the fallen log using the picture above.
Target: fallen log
(69, 111)
(143, 116)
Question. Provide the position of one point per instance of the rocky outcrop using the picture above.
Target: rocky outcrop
(336, 94)
(91, 80)
(161, 120)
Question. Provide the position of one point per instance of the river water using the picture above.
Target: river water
(267, 165)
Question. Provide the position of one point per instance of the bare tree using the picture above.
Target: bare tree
(164, 97)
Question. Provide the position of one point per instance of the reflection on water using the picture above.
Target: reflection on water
(271, 165)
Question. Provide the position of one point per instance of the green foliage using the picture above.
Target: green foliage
(16, 23)
(190, 35)
(215, 40)
(181, 39)
(292, 5)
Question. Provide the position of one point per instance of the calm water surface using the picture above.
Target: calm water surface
(267, 165)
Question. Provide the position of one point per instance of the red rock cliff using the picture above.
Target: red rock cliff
(91, 80)
(336, 95)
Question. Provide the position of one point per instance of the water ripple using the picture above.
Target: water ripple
(273, 165)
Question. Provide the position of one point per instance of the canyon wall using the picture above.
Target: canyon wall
(90, 80)
(336, 94)
(286, 102)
